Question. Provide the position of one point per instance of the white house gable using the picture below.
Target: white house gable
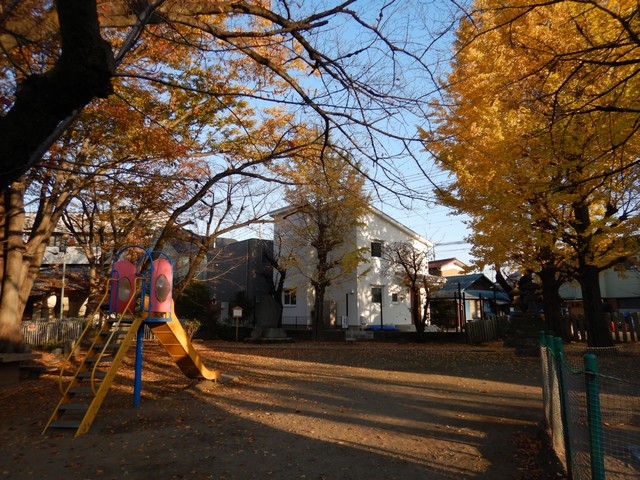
(382, 299)
(369, 296)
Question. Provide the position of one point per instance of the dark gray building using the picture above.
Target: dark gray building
(241, 276)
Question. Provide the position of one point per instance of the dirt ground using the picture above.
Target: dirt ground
(296, 411)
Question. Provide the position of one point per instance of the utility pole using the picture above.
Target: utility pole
(62, 249)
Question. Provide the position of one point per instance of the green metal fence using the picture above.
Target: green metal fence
(592, 409)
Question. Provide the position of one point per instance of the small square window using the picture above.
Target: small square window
(376, 294)
(376, 249)
(394, 297)
(289, 295)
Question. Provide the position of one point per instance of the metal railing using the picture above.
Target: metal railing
(39, 333)
(297, 322)
(46, 332)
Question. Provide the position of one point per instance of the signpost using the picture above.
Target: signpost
(237, 314)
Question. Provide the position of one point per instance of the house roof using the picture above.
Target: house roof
(49, 281)
(400, 226)
(466, 284)
(446, 261)
(74, 255)
(500, 296)
(465, 281)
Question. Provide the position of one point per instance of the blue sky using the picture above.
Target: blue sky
(427, 19)
(419, 22)
(434, 222)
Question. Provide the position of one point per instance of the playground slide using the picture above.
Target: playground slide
(177, 343)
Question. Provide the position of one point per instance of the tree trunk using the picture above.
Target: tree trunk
(552, 303)
(3, 232)
(43, 101)
(318, 312)
(21, 262)
(277, 296)
(416, 314)
(598, 331)
(502, 281)
(320, 284)
(31, 265)
(279, 311)
(276, 284)
(10, 303)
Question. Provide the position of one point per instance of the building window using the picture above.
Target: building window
(376, 248)
(394, 297)
(376, 295)
(289, 296)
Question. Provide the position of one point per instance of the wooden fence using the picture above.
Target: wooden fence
(624, 327)
(486, 330)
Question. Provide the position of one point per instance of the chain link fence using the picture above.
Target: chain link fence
(592, 409)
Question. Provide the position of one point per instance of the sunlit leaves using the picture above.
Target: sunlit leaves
(327, 203)
(538, 127)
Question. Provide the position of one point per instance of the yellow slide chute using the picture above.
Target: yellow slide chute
(176, 342)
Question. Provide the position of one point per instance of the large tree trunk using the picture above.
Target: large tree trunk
(318, 312)
(43, 101)
(552, 303)
(320, 284)
(276, 285)
(598, 332)
(3, 226)
(21, 262)
(31, 264)
(416, 313)
(13, 275)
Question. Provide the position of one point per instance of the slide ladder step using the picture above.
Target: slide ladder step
(104, 359)
(98, 374)
(80, 390)
(77, 407)
(110, 346)
(80, 403)
(123, 321)
(68, 424)
(106, 333)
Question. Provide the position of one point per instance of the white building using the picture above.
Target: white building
(620, 290)
(367, 297)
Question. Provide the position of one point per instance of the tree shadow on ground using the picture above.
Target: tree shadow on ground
(284, 418)
(491, 361)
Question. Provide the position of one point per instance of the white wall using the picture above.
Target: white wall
(613, 284)
(380, 227)
(356, 291)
